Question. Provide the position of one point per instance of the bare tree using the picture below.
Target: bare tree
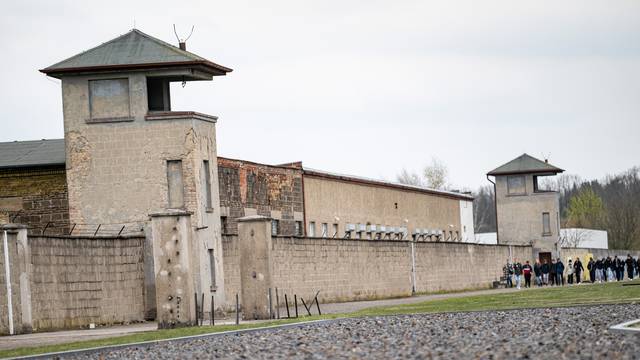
(572, 238)
(436, 174)
(409, 178)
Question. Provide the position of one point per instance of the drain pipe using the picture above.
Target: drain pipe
(7, 277)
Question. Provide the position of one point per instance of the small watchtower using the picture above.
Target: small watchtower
(128, 154)
(527, 210)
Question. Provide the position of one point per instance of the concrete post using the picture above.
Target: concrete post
(19, 255)
(173, 254)
(254, 239)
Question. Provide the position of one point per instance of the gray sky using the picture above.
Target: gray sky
(368, 87)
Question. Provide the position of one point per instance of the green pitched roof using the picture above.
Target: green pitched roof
(133, 50)
(525, 164)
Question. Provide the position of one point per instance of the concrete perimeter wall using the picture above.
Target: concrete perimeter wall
(75, 281)
(345, 270)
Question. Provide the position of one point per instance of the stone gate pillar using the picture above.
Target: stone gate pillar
(254, 239)
(173, 256)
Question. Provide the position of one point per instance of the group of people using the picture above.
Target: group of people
(550, 274)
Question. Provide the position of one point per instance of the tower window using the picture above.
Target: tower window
(158, 94)
(546, 224)
(516, 185)
(175, 184)
(109, 99)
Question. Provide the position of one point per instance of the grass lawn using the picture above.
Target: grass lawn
(548, 297)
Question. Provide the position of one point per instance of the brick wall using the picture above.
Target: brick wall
(77, 281)
(346, 270)
(273, 191)
(35, 197)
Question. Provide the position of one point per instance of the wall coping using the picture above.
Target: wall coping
(170, 212)
(13, 226)
(253, 218)
(97, 237)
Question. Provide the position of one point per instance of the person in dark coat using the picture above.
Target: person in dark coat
(526, 271)
(608, 274)
(537, 271)
(552, 272)
(559, 273)
(599, 270)
(617, 264)
(517, 272)
(621, 269)
(630, 267)
(592, 270)
(578, 269)
(545, 272)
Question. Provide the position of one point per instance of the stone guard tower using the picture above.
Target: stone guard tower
(526, 212)
(128, 155)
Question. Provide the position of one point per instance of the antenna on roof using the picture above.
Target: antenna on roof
(183, 42)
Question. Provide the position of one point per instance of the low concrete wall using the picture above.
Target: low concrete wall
(345, 270)
(75, 281)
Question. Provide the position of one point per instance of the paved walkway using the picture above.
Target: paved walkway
(61, 337)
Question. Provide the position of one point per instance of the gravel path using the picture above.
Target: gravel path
(561, 333)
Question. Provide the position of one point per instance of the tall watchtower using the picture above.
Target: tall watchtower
(129, 155)
(527, 212)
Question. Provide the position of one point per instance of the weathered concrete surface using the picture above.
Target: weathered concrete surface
(76, 281)
(347, 270)
(254, 234)
(173, 255)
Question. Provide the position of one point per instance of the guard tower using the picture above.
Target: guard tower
(128, 155)
(527, 213)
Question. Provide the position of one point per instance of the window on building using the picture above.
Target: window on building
(275, 227)
(546, 224)
(298, 228)
(109, 98)
(325, 230)
(212, 267)
(516, 185)
(158, 94)
(223, 225)
(175, 184)
(334, 230)
(312, 229)
(544, 184)
(207, 184)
